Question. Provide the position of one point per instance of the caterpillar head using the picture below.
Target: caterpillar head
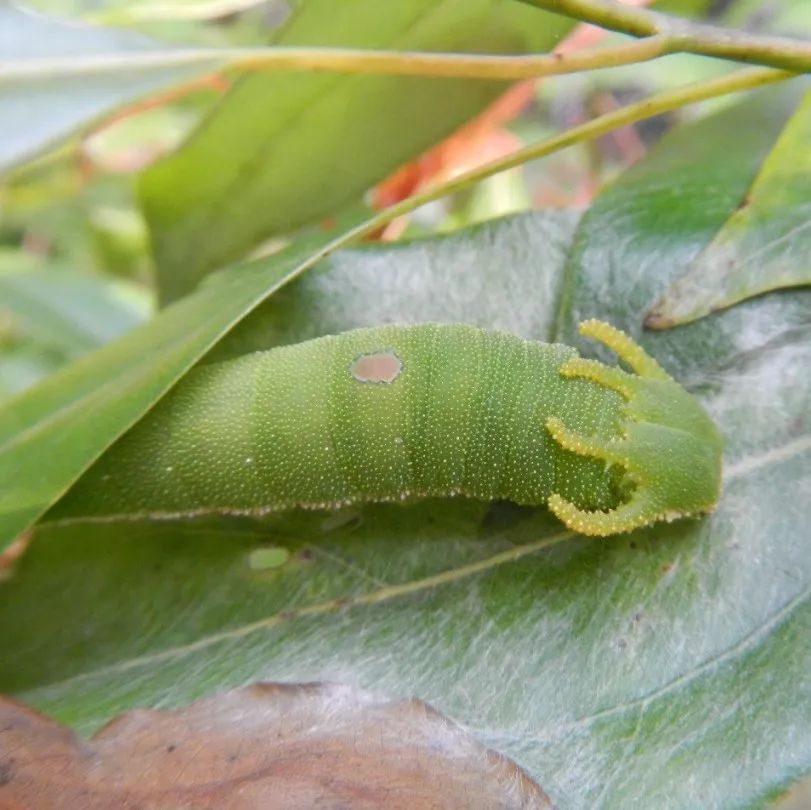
(669, 448)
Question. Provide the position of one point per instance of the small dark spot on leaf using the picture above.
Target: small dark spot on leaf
(170, 748)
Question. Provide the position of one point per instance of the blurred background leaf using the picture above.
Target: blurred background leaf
(284, 151)
(40, 107)
(49, 317)
(68, 311)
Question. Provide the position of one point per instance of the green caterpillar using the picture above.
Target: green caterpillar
(400, 412)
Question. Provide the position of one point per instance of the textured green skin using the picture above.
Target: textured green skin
(466, 415)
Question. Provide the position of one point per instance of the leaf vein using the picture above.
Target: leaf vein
(336, 604)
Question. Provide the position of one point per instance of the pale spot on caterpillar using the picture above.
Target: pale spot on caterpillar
(379, 367)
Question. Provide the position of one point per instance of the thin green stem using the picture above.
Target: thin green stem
(454, 65)
(340, 60)
(686, 36)
(734, 82)
(659, 34)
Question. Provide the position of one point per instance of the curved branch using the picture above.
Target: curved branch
(733, 82)
(686, 36)
(343, 60)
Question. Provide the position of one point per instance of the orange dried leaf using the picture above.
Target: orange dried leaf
(269, 746)
(480, 140)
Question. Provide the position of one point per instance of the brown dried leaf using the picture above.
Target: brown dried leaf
(268, 746)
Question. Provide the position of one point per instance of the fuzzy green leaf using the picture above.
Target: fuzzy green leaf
(666, 668)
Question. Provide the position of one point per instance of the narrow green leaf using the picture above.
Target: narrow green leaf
(282, 151)
(39, 105)
(765, 243)
(73, 416)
